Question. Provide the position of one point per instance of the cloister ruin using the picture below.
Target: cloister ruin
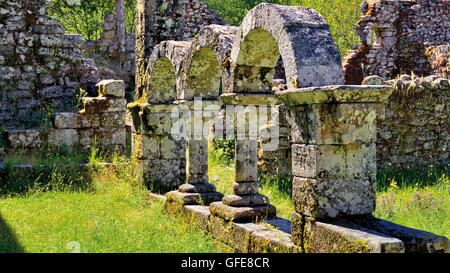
(333, 135)
(326, 131)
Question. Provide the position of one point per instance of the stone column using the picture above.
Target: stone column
(197, 190)
(159, 155)
(333, 156)
(245, 204)
(120, 25)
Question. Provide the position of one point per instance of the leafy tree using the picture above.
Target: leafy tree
(87, 18)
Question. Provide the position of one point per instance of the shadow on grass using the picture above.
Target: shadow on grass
(20, 180)
(8, 239)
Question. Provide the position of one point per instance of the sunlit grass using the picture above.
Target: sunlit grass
(114, 217)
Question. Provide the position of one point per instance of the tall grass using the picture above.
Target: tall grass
(113, 216)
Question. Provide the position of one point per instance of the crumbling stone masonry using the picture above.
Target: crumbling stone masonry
(401, 31)
(415, 128)
(40, 66)
(333, 127)
(114, 51)
(102, 120)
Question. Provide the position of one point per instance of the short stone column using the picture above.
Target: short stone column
(245, 204)
(197, 190)
(159, 155)
(333, 155)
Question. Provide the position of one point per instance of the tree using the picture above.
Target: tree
(87, 17)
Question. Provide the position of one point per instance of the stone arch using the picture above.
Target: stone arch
(300, 35)
(159, 82)
(207, 67)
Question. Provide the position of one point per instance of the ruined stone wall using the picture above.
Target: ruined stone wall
(112, 63)
(394, 36)
(40, 66)
(102, 120)
(416, 127)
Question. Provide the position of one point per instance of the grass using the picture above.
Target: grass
(417, 198)
(109, 212)
(112, 217)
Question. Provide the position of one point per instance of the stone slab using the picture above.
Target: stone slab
(249, 99)
(335, 94)
(416, 241)
(245, 201)
(243, 214)
(193, 198)
(111, 88)
(341, 123)
(334, 161)
(341, 236)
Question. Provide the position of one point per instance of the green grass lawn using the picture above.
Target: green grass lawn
(113, 217)
(113, 214)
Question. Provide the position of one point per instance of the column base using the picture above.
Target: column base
(243, 214)
(204, 198)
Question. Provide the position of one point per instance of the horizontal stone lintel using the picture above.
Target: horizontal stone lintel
(204, 104)
(336, 94)
(249, 99)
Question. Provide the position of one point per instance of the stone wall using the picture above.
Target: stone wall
(394, 36)
(114, 51)
(416, 127)
(41, 68)
(102, 119)
(112, 64)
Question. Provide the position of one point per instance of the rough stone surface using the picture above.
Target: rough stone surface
(40, 67)
(333, 197)
(340, 236)
(415, 128)
(269, 31)
(113, 88)
(398, 37)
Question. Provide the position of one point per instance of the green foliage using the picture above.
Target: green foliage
(87, 19)
(222, 151)
(341, 15)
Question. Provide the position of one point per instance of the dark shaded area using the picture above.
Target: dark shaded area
(8, 239)
(21, 179)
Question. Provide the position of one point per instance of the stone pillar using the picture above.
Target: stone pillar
(197, 190)
(333, 155)
(245, 204)
(120, 26)
(159, 155)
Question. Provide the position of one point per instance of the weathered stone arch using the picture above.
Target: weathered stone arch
(162, 73)
(207, 65)
(299, 34)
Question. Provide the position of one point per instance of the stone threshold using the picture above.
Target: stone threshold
(272, 236)
(365, 234)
